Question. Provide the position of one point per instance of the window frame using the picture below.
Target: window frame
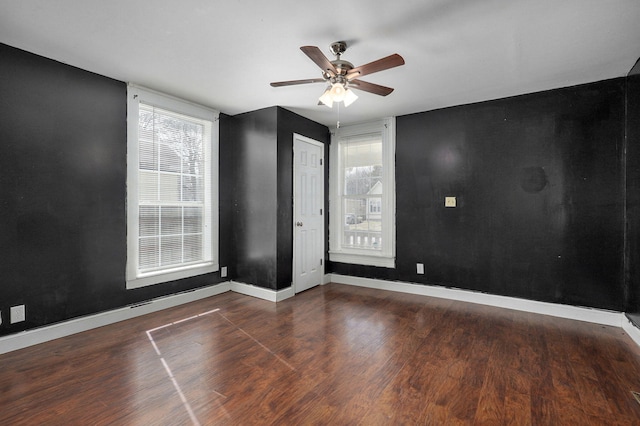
(337, 253)
(135, 96)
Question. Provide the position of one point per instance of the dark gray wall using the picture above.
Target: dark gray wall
(255, 205)
(633, 194)
(540, 190)
(62, 193)
(540, 181)
(263, 190)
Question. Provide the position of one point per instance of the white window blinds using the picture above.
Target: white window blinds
(362, 194)
(172, 204)
(171, 188)
(362, 176)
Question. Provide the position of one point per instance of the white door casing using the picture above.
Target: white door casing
(308, 213)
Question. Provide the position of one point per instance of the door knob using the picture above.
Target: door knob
(298, 223)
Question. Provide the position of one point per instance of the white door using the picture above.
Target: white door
(308, 215)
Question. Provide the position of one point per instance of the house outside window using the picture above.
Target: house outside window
(172, 220)
(362, 193)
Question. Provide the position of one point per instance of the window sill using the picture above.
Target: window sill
(363, 259)
(171, 275)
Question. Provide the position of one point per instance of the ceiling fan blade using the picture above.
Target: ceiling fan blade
(370, 87)
(294, 82)
(390, 61)
(318, 57)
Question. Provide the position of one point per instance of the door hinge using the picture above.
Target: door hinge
(321, 161)
(320, 262)
(320, 212)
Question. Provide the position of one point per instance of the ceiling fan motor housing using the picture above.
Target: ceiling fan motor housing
(342, 66)
(338, 48)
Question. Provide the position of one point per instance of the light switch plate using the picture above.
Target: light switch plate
(449, 201)
(420, 268)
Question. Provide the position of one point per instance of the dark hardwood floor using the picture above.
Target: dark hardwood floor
(333, 355)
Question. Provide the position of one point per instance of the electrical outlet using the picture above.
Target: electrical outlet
(223, 272)
(420, 268)
(17, 314)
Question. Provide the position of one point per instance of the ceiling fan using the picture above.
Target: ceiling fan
(342, 76)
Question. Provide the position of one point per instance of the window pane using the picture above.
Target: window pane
(192, 248)
(170, 220)
(364, 185)
(362, 172)
(193, 220)
(148, 253)
(192, 188)
(376, 185)
(172, 171)
(171, 188)
(170, 159)
(365, 229)
(171, 250)
(147, 186)
(149, 221)
(362, 167)
(148, 154)
(192, 151)
(362, 228)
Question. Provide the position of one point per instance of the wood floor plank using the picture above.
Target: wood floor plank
(334, 354)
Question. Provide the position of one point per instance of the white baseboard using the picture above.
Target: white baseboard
(262, 293)
(631, 330)
(43, 334)
(35, 336)
(54, 331)
(598, 316)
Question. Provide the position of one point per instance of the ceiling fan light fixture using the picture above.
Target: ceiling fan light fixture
(326, 98)
(337, 92)
(349, 97)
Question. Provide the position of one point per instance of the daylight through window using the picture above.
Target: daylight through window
(362, 171)
(171, 208)
(363, 194)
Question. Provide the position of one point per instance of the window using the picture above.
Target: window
(363, 194)
(375, 205)
(172, 203)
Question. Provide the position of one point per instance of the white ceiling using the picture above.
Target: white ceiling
(225, 54)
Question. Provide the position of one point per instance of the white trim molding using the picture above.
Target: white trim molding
(209, 120)
(593, 315)
(631, 330)
(46, 333)
(261, 292)
(35, 336)
(360, 259)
